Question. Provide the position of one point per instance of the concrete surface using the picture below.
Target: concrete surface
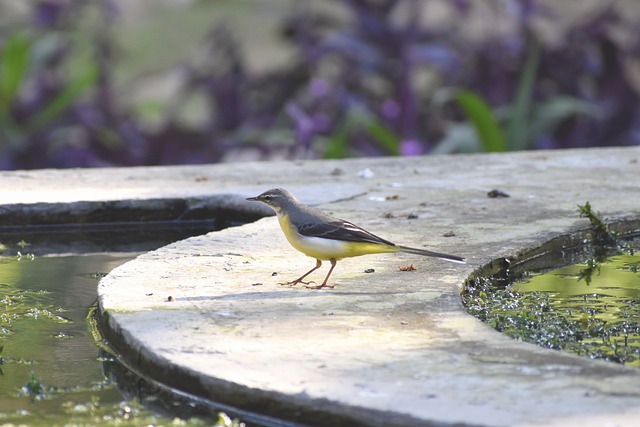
(385, 348)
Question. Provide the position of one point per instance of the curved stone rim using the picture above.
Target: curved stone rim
(300, 407)
(274, 409)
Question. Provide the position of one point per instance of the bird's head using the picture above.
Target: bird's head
(276, 198)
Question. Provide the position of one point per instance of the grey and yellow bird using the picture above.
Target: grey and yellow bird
(325, 238)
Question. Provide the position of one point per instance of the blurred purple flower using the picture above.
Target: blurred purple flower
(304, 126)
(411, 147)
(47, 13)
(435, 53)
(390, 109)
(463, 6)
(321, 122)
(378, 56)
(318, 88)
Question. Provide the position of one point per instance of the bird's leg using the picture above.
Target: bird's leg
(326, 279)
(299, 279)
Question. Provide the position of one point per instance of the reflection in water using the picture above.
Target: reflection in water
(51, 368)
(44, 331)
(603, 298)
(588, 309)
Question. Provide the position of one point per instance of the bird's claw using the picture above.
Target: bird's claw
(324, 285)
(295, 282)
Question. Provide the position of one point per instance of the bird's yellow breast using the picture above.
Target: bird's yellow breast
(326, 249)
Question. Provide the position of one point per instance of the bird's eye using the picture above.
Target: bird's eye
(267, 198)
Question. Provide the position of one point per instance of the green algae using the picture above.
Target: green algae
(52, 362)
(590, 309)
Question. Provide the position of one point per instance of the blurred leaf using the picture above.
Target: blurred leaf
(13, 67)
(64, 99)
(460, 138)
(517, 128)
(549, 114)
(358, 119)
(479, 113)
(384, 137)
(337, 146)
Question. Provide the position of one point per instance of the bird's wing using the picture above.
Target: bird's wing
(340, 230)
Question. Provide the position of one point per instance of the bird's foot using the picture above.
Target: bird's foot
(324, 285)
(295, 282)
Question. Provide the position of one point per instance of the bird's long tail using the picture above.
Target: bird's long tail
(424, 252)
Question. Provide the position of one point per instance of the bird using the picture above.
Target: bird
(325, 238)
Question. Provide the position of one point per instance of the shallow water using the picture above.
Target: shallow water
(51, 366)
(45, 302)
(603, 299)
(591, 309)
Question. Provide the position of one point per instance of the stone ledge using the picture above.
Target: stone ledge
(388, 348)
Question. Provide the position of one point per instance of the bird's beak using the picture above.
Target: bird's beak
(252, 199)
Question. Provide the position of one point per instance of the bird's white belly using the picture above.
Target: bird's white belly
(321, 248)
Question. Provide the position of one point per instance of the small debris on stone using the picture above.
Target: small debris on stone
(404, 322)
(412, 216)
(149, 294)
(365, 174)
(202, 178)
(256, 284)
(170, 298)
(275, 273)
(449, 234)
(407, 268)
(394, 197)
(369, 270)
(337, 172)
(495, 193)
